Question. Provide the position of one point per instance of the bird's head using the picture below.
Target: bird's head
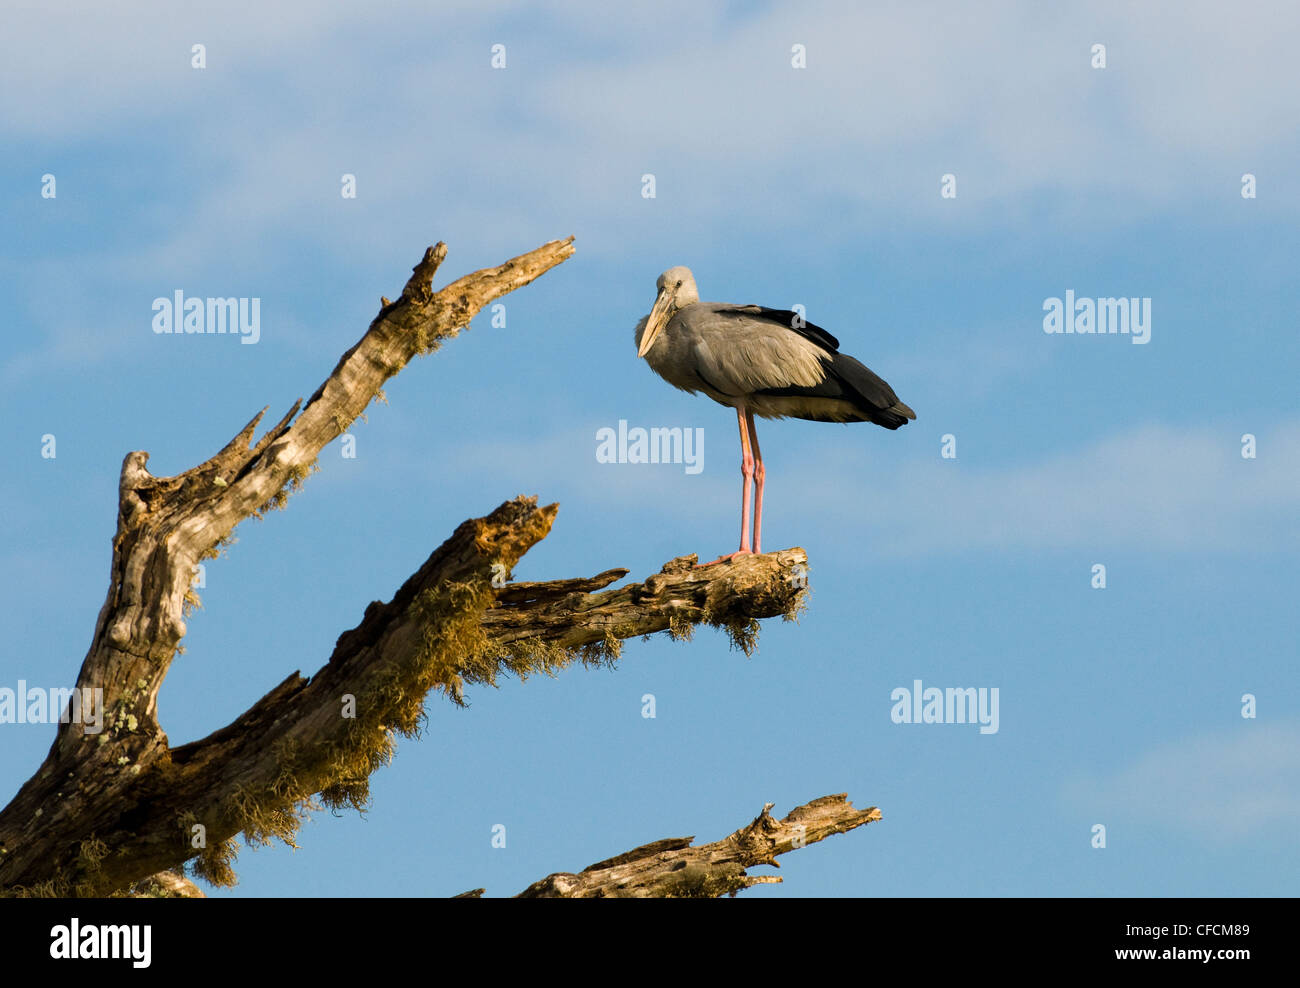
(676, 289)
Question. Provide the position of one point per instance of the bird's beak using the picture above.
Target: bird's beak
(656, 321)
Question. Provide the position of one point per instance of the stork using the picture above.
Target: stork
(759, 361)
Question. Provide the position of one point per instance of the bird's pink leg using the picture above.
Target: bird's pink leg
(747, 490)
(759, 474)
(747, 486)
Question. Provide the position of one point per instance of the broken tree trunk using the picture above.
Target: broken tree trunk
(109, 811)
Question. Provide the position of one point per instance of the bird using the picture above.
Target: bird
(766, 362)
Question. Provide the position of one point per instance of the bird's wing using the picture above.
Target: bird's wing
(748, 351)
(788, 318)
(738, 349)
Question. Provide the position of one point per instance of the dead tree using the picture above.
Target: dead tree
(121, 811)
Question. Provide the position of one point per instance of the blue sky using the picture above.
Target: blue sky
(817, 186)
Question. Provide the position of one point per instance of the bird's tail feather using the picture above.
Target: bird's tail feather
(875, 397)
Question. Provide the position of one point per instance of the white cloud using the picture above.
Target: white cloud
(704, 96)
(1232, 784)
(1153, 487)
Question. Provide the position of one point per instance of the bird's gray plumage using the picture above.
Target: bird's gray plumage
(765, 362)
(768, 361)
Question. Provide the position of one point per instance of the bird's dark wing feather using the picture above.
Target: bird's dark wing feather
(784, 317)
(850, 380)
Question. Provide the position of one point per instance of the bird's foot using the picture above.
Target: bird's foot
(728, 557)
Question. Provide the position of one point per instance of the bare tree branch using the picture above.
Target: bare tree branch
(166, 885)
(92, 818)
(123, 811)
(731, 595)
(673, 869)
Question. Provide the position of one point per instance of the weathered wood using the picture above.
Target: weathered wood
(673, 869)
(89, 820)
(166, 885)
(730, 595)
(124, 811)
(520, 594)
